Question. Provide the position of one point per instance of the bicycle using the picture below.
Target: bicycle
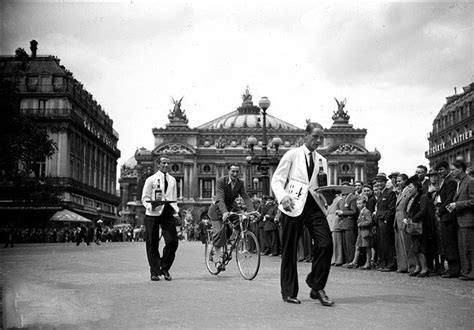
(245, 244)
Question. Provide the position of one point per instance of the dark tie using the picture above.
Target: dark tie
(310, 166)
(166, 184)
(232, 184)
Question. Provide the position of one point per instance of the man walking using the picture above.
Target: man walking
(157, 190)
(294, 183)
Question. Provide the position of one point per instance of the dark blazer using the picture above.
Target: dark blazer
(464, 200)
(446, 193)
(349, 212)
(386, 206)
(269, 223)
(225, 197)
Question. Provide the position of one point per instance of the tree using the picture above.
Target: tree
(22, 146)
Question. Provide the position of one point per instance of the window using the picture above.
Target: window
(40, 169)
(206, 188)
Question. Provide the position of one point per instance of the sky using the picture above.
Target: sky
(394, 62)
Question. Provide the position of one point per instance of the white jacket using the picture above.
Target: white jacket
(149, 187)
(291, 179)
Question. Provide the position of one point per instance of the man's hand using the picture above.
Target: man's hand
(288, 203)
(451, 207)
(225, 216)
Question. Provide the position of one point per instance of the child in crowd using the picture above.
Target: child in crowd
(364, 237)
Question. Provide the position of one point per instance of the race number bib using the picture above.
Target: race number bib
(297, 190)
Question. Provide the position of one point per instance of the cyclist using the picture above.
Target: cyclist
(228, 189)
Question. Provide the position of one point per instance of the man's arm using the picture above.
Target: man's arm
(174, 197)
(146, 194)
(220, 201)
(246, 197)
(391, 205)
(450, 187)
(467, 203)
(280, 176)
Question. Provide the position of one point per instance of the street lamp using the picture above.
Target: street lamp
(263, 161)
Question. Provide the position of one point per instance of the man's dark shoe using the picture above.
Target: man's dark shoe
(290, 300)
(166, 274)
(386, 270)
(321, 296)
(465, 278)
(448, 275)
(154, 278)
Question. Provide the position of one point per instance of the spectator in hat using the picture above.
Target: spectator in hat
(449, 226)
(463, 207)
(392, 183)
(385, 216)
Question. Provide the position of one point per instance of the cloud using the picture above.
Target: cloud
(393, 43)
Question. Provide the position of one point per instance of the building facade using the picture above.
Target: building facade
(452, 135)
(201, 155)
(86, 160)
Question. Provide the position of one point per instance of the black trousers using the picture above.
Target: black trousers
(168, 228)
(386, 237)
(321, 255)
(449, 231)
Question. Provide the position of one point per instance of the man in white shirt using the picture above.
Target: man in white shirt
(157, 191)
(294, 183)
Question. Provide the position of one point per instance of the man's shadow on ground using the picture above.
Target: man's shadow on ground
(397, 299)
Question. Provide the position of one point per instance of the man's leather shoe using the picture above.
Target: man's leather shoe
(321, 296)
(465, 278)
(290, 300)
(448, 275)
(166, 274)
(386, 270)
(402, 271)
(154, 278)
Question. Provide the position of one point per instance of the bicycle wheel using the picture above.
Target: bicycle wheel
(248, 256)
(211, 258)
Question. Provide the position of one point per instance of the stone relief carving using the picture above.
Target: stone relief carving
(175, 149)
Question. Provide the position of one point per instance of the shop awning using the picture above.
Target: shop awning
(68, 216)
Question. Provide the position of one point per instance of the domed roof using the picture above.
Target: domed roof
(130, 163)
(249, 117)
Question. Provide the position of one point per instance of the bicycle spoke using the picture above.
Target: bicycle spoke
(248, 256)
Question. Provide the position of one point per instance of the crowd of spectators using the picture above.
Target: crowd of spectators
(11, 234)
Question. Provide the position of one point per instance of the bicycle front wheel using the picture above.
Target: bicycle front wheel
(211, 258)
(248, 255)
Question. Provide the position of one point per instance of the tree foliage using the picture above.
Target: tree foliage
(22, 146)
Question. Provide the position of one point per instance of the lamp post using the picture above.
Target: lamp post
(263, 161)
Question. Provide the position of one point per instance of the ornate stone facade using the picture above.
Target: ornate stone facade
(452, 136)
(201, 155)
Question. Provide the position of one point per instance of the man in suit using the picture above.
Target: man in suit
(228, 188)
(385, 216)
(348, 214)
(294, 183)
(463, 208)
(270, 229)
(158, 188)
(449, 226)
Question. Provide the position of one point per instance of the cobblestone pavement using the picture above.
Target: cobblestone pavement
(108, 286)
